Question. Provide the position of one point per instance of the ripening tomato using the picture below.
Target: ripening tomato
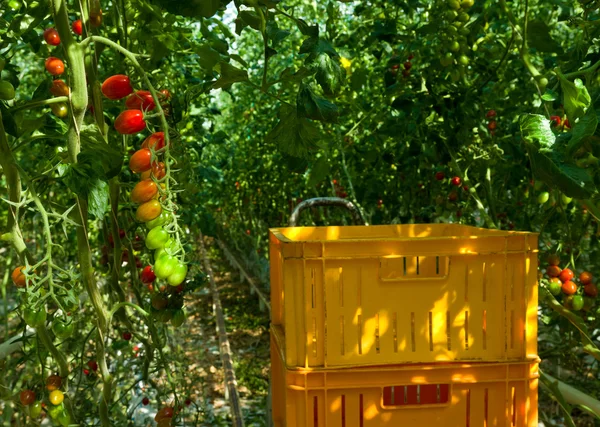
(159, 301)
(51, 36)
(96, 18)
(130, 121)
(440, 175)
(453, 196)
(490, 114)
(59, 88)
(569, 288)
(148, 211)
(555, 286)
(63, 329)
(178, 318)
(141, 161)
(147, 275)
(158, 172)
(140, 100)
(53, 382)
(177, 277)
(456, 181)
(156, 141)
(165, 93)
(553, 259)
(18, 277)
(143, 191)
(585, 277)
(156, 238)
(165, 266)
(553, 271)
(77, 27)
(27, 397)
(166, 412)
(34, 318)
(555, 120)
(56, 397)
(157, 222)
(60, 109)
(55, 66)
(492, 125)
(165, 422)
(117, 87)
(35, 409)
(590, 290)
(566, 275)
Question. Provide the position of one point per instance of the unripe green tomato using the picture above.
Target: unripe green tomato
(564, 200)
(7, 90)
(164, 266)
(64, 419)
(177, 277)
(538, 185)
(465, 31)
(156, 238)
(543, 82)
(451, 30)
(447, 59)
(455, 75)
(62, 329)
(178, 318)
(34, 318)
(454, 46)
(162, 219)
(14, 5)
(60, 110)
(454, 4)
(543, 197)
(165, 315)
(464, 17)
(577, 302)
(450, 15)
(35, 409)
(463, 60)
(465, 4)
(555, 287)
(55, 411)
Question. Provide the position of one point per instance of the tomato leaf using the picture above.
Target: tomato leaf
(536, 130)
(294, 135)
(330, 74)
(252, 19)
(584, 127)
(315, 46)
(42, 91)
(191, 8)
(576, 97)
(8, 121)
(208, 56)
(229, 75)
(539, 37)
(319, 171)
(98, 198)
(275, 34)
(314, 107)
(307, 30)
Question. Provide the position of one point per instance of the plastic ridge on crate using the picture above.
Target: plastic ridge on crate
(447, 394)
(417, 293)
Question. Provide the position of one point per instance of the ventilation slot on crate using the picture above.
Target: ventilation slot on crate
(403, 268)
(422, 394)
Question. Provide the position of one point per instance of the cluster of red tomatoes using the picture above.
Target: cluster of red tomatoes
(456, 181)
(394, 68)
(492, 124)
(558, 122)
(56, 409)
(340, 191)
(563, 282)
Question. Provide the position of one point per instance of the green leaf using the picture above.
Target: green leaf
(42, 91)
(8, 121)
(535, 130)
(314, 107)
(538, 36)
(275, 34)
(576, 98)
(229, 75)
(98, 198)
(316, 46)
(585, 127)
(294, 135)
(290, 75)
(307, 30)
(190, 8)
(208, 56)
(319, 171)
(330, 74)
(239, 59)
(253, 19)
(550, 95)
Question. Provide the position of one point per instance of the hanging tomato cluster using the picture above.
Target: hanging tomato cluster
(56, 409)
(562, 282)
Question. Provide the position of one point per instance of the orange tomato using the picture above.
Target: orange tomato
(155, 141)
(141, 161)
(55, 66)
(148, 211)
(144, 191)
(569, 288)
(553, 270)
(166, 412)
(158, 172)
(586, 277)
(18, 277)
(566, 275)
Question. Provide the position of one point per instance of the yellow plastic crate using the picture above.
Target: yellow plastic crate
(441, 395)
(363, 296)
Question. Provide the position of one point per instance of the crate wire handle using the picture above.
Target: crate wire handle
(327, 201)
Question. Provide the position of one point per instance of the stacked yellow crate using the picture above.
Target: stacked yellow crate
(403, 324)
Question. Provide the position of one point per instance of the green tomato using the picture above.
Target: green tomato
(34, 318)
(447, 59)
(165, 315)
(165, 265)
(64, 419)
(464, 17)
(178, 318)
(177, 277)
(7, 90)
(465, 4)
(451, 30)
(156, 238)
(577, 302)
(62, 329)
(55, 411)
(463, 60)
(35, 409)
(455, 75)
(450, 15)
(564, 200)
(454, 46)
(543, 197)
(162, 219)
(465, 31)
(555, 288)
(454, 4)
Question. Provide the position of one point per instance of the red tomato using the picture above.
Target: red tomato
(490, 114)
(59, 88)
(553, 271)
(126, 336)
(456, 181)
(555, 120)
(585, 277)
(55, 66)
(148, 211)
(140, 100)
(492, 125)
(93, 365)
(590, 290)
(117, 86)
(27, 397)
(155, 141)
(158, 171)
(143, 191)
(51, 36)
(145, 401)
(141, 161)
(407, 65)
(440, 175)
(53, 382)
(553, 259)
(453, 196)
(18, 277)
(567, 124)
(166, 412)
(569, 288)
(77, 27)
(566, 275)
(147, 275)
(129, 122)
